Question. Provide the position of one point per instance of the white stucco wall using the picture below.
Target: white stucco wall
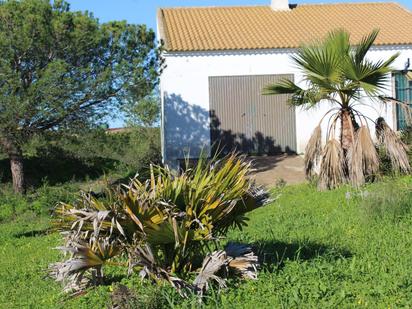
(185, 93)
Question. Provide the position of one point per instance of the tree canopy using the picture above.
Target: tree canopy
(61, 70)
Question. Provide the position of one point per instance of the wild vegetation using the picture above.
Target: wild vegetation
(340, 74)
(339, 248)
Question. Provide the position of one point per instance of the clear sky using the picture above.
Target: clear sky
(144, 11)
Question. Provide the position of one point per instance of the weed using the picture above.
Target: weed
(392, 201)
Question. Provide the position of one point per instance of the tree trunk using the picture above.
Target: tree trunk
(16, 164)
(17, 172)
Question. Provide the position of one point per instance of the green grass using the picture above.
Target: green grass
(318, 250)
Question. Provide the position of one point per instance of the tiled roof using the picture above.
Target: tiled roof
(260, 27)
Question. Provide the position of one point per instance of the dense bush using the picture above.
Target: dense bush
(133, 147)
(56, 167)
(60, 159)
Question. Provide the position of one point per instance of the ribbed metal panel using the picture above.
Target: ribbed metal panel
(243, 118)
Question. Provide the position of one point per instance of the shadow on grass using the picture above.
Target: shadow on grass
(141, 175)
(34, 233)
(273, 254)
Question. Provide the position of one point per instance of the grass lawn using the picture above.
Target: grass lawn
(345, 248)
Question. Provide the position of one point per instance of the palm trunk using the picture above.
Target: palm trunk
(347, 130)
(16, 164)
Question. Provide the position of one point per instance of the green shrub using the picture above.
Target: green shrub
(11, 204)
(392, 201)
(163, 226)
(39, 202)
(45, 198)
(69, 158)
(131, 148)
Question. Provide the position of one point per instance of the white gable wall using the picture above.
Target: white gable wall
(185, 94)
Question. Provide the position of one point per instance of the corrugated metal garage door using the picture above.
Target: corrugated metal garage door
(242, 118)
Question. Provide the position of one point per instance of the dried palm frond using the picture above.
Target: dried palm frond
(332, 168)
(143, 258)
(407, 113)
(404, 107)
(236, 258)
(362, 157)
(84, 257)
(212, 264)
(396, 150)
(244, 262)
(313, 151)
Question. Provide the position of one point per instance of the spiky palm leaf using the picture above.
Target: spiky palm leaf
(163, 224)
(84, 257)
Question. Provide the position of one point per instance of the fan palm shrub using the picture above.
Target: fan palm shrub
(337, 73)
(161, 228)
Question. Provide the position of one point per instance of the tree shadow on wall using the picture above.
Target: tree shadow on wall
(189, 129)
(186, 128)
(225, 141)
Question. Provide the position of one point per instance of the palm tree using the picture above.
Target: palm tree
(336, 72)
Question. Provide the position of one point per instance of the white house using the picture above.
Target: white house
(219, 58)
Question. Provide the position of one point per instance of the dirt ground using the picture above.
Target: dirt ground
(270, 170)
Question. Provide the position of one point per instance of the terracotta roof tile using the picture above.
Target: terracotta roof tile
(260, 27)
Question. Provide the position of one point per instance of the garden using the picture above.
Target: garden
(91, 218)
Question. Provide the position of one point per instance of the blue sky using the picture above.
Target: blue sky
(144, 11)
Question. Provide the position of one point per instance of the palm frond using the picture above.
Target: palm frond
(143, 257)
(395, 149)
(244, 262)
(364, 45)
(237, 258)
(299, 96)
(313, 151)
(212, 264)
(332, 173)
(84, 257)
(371, 77)
(321, 61)
(362, 157)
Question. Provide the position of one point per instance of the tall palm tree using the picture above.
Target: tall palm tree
(338, 73)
